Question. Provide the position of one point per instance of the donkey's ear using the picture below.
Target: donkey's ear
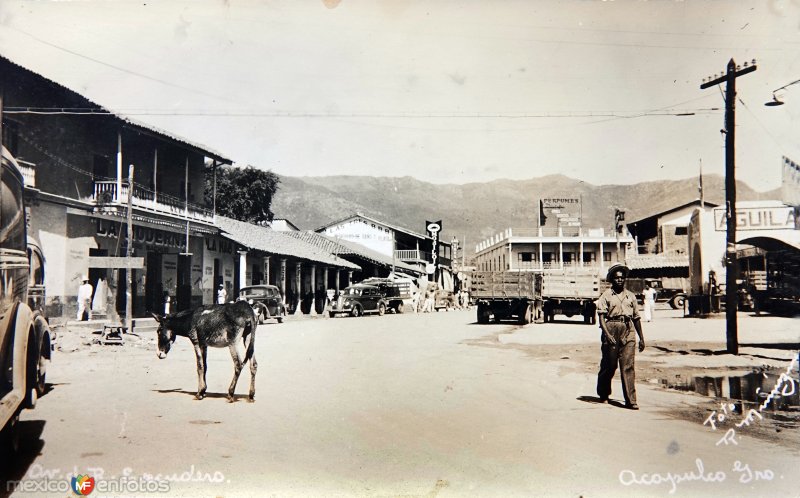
(158, 318)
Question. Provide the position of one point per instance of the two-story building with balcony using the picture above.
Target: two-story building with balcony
(77, 158)
(553, 248)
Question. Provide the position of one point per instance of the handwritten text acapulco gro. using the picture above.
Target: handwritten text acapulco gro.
(745, 473)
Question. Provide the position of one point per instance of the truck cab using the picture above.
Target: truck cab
(25, 344)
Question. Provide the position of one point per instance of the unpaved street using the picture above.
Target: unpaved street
(411, 405)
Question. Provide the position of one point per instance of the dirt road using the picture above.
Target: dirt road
(412, 405)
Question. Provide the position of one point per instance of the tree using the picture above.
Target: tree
(244, 194)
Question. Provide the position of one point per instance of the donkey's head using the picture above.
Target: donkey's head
(166, 336)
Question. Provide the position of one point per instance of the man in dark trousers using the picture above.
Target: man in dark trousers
(618, 315)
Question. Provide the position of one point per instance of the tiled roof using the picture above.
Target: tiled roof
(643, 261)
(344, 247)
(280, 243)
(127, 119)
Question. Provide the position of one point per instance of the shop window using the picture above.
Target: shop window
(681, 230)
(525, 257)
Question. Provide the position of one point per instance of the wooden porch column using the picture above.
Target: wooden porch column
(282, 280)
(349, 278)
(336, 282)
(118, 197)
(313, 309)
(299, 285)
(266, 269)
(602, 259)
(242, 269)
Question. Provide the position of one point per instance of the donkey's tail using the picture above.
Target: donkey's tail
(250, 346)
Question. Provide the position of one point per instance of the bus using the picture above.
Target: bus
(25, 339)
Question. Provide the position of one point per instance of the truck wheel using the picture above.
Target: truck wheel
(526, 317)
(399, 307)
(676, 302)
(381, 309)
(281, 316)
(483, 314)
(539, 316)
(34, 375)
(356, 312)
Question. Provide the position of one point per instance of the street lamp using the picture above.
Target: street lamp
(775, 100)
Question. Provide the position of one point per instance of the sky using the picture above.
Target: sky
(607, 92)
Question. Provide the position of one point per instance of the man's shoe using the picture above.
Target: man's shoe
(633, 406)
(604, 401)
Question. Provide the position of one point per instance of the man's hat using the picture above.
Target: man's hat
(84, 278)
(615, 268)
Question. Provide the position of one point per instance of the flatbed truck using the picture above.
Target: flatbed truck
(507, 295)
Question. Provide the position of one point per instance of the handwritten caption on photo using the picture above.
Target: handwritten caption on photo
(786, 385)
(41, 480)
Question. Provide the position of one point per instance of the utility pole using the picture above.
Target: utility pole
(731, 265)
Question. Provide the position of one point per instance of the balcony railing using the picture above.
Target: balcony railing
(28, 171)
(415, 256)
(534, 265)
(105, 193)
(412, 255)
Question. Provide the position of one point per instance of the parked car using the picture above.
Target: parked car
(674, 296)
(360, 299)
(266, 301)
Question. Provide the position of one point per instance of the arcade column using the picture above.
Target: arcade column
(299, 286)
(313, 308)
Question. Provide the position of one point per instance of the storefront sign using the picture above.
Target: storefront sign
(141, 235)
(757, 218)
(223, 246)
(433, 228)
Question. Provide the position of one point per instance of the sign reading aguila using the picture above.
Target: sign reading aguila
(433, 228)
(758, 218)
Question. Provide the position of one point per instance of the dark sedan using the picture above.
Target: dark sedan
(266, 301)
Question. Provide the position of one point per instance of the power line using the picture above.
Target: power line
(118, 68)
(377, 115)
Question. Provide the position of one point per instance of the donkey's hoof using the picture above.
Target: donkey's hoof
(199, 396)
(251, 399)
(231, 399)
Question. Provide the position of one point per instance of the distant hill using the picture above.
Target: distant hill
(479, 210)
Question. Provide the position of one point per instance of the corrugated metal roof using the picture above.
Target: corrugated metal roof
(344, 247)
(644, 261)
(134, 123)
(280, 243)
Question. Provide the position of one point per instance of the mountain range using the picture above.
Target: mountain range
(476, 211)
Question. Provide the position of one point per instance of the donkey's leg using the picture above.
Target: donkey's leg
(253, 368)
(237, 369)
(250, 353)
(199, 352)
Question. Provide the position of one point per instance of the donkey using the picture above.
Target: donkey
(217, 326)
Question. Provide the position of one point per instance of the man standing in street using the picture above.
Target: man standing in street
(618, 315)
(85, 299)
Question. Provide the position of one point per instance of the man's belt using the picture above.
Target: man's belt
(623, 318)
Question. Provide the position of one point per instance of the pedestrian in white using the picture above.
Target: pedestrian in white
(429, 305)
(649, 302)
(222, 294)
(85, 299)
